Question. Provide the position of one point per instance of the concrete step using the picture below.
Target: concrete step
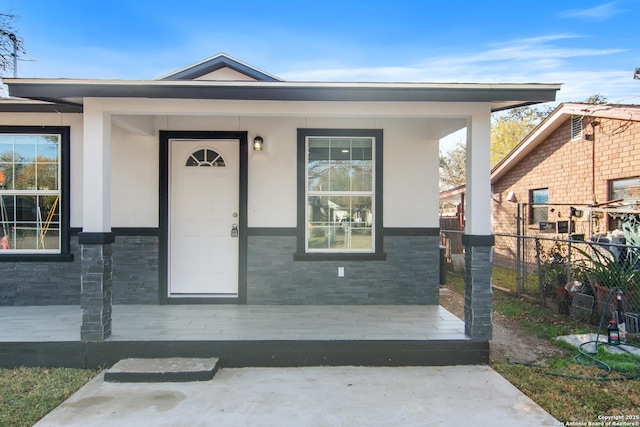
(172, 369)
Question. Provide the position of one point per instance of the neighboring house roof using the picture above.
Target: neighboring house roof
(544, 129)
(453, 195)
(205, 80)
(553, 121)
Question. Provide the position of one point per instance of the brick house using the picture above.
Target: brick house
(583, 156)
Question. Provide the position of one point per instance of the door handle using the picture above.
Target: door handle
(234, 230)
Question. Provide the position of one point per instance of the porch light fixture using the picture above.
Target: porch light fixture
(257, 143)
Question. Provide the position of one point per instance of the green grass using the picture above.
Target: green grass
(535, 319)
(619, 362)
(28, 394)
(574, 400)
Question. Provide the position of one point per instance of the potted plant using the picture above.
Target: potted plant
(606, 273)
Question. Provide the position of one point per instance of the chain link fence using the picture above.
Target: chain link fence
(579, 278)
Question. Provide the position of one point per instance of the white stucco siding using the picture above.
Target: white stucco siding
(134, 181)
(272, 192)
(410, 174)
(410, 178)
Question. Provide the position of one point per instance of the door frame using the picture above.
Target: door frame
(163, 217)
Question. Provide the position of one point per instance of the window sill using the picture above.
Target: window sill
(301, 256)
(36, 258)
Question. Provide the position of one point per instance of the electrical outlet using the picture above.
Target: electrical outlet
(340, 271)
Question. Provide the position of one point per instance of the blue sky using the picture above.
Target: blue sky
(589, 46)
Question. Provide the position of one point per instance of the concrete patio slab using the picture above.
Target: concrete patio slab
(588, 341)
(315, 396)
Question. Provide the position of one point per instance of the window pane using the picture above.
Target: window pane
(362, 175)
(25, 236)
(47, 176)
(340, 164)
(340, 176)
(6, 176)
(318, 175)
(319, 165)
(48, 148)
(25, 176)
(49, 222)
(6, 150)
(626, 189)
(25, 148)
(340, 222)
(539, 214)
(540, 196)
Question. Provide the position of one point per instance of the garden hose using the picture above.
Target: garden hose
(585, 358)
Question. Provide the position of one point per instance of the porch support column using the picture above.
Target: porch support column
(96, 237)
(478, 237)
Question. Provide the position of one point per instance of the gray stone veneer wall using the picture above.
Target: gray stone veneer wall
(478, 297)
(410, 274)
(96, 293)
(135, 276)
(135, 270)
(41, 283)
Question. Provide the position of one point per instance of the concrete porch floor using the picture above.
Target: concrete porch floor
(243, 335)
(237, 322)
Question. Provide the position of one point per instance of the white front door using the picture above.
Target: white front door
(203, 218)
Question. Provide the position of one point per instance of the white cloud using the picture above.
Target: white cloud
(547, 59)
(598, 13)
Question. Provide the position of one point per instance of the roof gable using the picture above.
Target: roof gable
(221, 67)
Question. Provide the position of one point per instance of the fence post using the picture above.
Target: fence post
(543, 295)
(518, 252)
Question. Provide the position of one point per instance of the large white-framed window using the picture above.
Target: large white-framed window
(340, 192)
(33, 211)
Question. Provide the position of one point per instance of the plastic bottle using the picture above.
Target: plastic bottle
(613, 335)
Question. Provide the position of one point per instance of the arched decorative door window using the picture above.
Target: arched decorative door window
(205, 157)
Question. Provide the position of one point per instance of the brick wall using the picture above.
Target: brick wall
(564, 166)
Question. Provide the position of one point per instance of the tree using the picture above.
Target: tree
(10, 43)
(508, 129)
(596, 99)
(453, 167)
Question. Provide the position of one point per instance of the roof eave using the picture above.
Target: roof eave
(503, 96)
(18, 105)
